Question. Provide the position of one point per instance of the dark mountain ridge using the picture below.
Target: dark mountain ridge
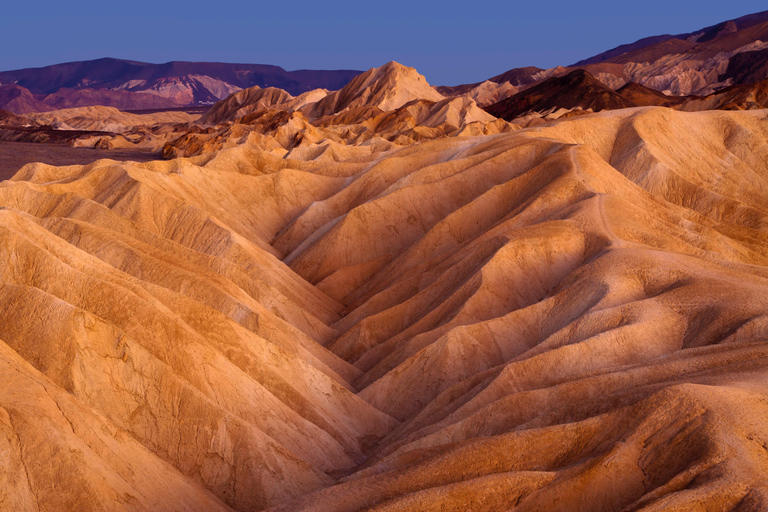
(698, 36)
(177, 83)
(577, 89)
(738, 44)
(108, 73)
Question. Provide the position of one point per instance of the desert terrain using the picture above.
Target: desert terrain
(15, 155)
(390, 296)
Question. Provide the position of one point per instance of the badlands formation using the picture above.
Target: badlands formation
(384, 299)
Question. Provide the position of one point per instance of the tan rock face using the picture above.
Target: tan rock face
(488, 93)
(389, 87)
(567, 317)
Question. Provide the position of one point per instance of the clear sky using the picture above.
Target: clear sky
(448, 42)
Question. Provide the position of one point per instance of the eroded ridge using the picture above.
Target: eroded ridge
(565, 317)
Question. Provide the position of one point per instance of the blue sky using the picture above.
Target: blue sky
(448, 42)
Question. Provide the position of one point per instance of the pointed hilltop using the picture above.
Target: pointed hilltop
(387, 87)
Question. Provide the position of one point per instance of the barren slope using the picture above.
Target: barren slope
(384, 107)
(568, 318)
(572, 317)
(255, 99)
(17, 99)
(577, 89)
(388, 87)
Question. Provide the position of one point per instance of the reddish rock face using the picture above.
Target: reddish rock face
(18, 100)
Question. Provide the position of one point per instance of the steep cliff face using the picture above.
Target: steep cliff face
(693, 63)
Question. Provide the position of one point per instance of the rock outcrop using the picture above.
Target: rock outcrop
(387, 88)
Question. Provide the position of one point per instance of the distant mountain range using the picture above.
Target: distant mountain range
(627, 52)
(139, 85)
(698, 63)
(579, 92)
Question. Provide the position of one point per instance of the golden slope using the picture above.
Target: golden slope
(538, 286)
(566, 317)
(254, 99)
(357, 131)
(387, 87)
(148, 309)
